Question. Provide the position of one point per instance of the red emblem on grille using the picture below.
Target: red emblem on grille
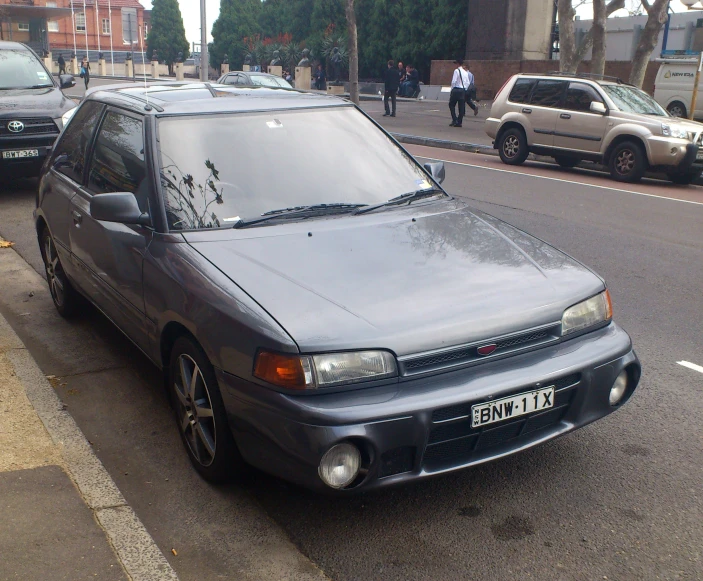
(487, 349)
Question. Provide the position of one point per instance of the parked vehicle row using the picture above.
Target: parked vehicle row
(574, 118)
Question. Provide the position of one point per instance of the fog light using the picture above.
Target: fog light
(619, 387)
(340, 465)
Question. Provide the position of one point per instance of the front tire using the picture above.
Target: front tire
(627, 162)
(66, 299)
(677, 109)
(567, 162)
(200, 413)
(512, 146)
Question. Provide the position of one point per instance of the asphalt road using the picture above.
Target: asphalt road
(618, 500)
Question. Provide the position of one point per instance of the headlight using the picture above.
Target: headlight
(66, 117)
(597, 309)
(315, 371)
(674, 131)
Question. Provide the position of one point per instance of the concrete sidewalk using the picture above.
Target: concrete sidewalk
(63, 516)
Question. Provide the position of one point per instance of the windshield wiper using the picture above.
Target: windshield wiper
(402, 199)
(25, 88)
(299, 212)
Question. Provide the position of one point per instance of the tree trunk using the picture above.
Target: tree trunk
(353, 53)
(656, 17)
(598, 36)
(567, 36)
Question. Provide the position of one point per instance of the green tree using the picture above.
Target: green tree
(167, 34)
(238, 19)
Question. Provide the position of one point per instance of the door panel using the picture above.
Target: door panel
(542, 111)
(577, 128)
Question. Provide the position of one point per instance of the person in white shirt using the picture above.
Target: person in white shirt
(462, 81)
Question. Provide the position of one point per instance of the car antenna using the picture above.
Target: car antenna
(147, 107)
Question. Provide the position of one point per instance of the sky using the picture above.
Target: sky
(190, 10)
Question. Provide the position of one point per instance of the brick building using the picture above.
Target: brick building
(62, 26)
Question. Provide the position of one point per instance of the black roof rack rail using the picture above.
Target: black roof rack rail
(592, 76)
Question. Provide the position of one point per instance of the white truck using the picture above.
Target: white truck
(673, 87)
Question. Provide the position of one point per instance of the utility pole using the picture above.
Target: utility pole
(694, 97)
(204, 66)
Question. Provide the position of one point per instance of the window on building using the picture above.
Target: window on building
(51, 4)
(23, 26)
(80, 21)
(130, 31)
(52, 26)
(106, 26)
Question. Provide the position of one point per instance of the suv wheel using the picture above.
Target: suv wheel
(683, 179)
(512, 146)
(564, 161)
(200, 413)
(627, 162)
(677, 109)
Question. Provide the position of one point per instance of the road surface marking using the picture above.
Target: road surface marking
(561, 180)
(691, 366)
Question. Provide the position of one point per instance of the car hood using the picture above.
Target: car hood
(408, 280)
(49, 102)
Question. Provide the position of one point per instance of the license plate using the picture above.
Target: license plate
(515, 406)
(20, 154)
(699, 154)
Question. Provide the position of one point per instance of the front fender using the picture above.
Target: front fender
(629, 130)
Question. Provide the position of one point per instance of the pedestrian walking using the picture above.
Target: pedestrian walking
(62, 65)
(457, 97)
(85, 71)
(392, 82)
(320, 78)
(471, 91)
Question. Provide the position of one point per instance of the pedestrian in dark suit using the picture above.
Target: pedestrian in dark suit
(392, 82)
(62, 65)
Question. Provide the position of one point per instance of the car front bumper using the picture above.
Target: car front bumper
(417, 428)
(674, 156)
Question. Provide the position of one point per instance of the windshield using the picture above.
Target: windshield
(20, 69)
(267, 81)
(632, 100)
(219, 169)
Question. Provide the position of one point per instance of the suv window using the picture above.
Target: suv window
(521, 90)
(69, 156)
(548, 93)
(118, 158)
(579, 97)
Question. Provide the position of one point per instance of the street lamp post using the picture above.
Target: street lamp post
(203, 44)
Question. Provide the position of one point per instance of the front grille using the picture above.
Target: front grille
(452, 440)
(32, 126)
(468, 354)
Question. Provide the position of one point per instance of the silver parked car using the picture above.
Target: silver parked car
(341, 322)
(253, 79)
(574, 118)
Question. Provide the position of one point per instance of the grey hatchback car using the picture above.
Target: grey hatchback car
(320, 307)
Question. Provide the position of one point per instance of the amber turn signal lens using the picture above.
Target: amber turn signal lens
(291, 371)
(608, 305)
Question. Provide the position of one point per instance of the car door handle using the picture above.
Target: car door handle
(77, 217)
(565, 116)
(527, 110)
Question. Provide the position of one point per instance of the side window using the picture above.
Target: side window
(242, 80)
(118, 159)
(580, 96)
(521, 90)
(70, 152)
(547, 93)
(231, 79)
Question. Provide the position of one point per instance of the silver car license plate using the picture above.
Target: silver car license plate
(20, 153)
(511, 407)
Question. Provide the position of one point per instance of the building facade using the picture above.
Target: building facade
(83, 26)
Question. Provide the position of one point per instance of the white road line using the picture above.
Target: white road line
(691, 366)
(561, 180)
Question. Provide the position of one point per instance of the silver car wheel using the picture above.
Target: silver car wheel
(625, 162)
(676, 111)
(511, 146)
(54, 272)
(197, 421)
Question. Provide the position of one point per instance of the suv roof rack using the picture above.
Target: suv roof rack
(592, 76)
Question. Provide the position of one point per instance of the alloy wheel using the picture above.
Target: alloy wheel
(54, 272)
(676, 111)
(511, 146)
(625, 162)
(194, 410)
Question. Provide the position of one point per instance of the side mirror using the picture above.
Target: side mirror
(120, 207)
(67, 81)
(597, 107)
(436, 170)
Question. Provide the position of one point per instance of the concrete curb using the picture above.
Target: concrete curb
(135, 548)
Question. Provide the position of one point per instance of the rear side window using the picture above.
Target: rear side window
(118, 158)
(579, 97)
(71, 150)
(521, 90)
(548, 93)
